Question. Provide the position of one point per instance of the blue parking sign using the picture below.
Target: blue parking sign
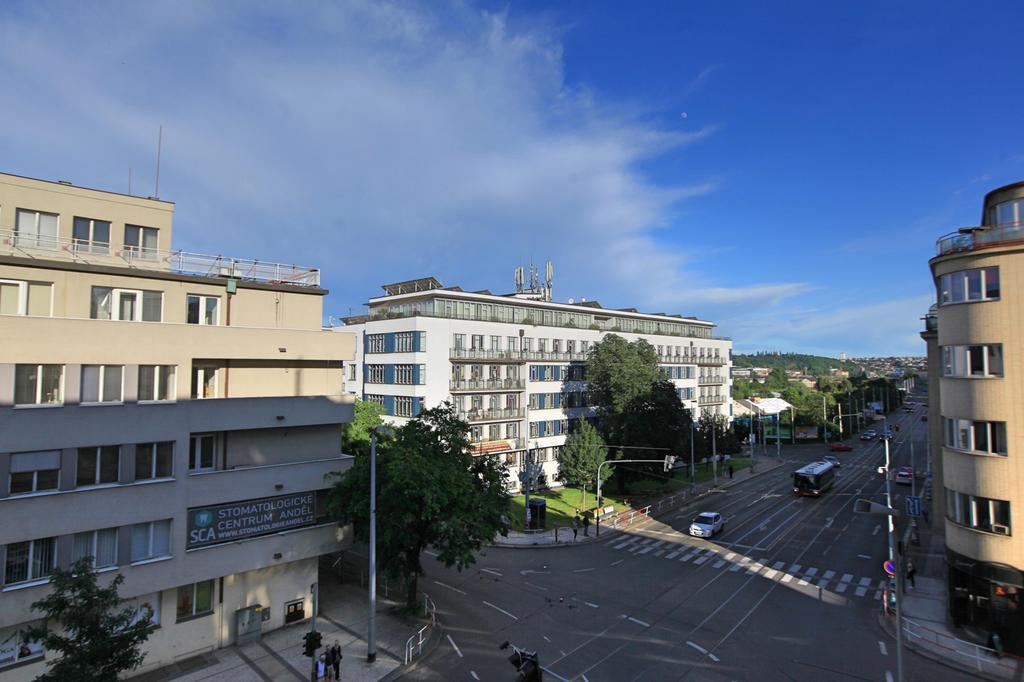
(913, 505)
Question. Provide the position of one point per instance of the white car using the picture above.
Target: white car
(707, 524)
(833, 460)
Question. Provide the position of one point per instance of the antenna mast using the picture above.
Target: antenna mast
(159, 144)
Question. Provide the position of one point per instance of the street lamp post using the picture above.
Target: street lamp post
(897, 566)
(371, 627)
(693, 471)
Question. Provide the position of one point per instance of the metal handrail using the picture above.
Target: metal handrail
(486, 384)
(414, 645)
(970, 238)
(981, 658)
(180, 262)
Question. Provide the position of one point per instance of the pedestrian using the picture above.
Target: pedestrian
(730, 472)
(337, 656)
(911, 572)
(924, 512)
(321, 669)
(329, 660)
(575, 527)
(586, 525)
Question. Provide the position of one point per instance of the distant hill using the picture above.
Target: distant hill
(815, 365)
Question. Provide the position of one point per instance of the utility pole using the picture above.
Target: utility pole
(896, 563)
(526, 483)
(824, 417)
(693, 471)
(714, 451)
(312, 628)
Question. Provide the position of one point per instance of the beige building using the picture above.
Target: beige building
(976, 365)
(171, 414)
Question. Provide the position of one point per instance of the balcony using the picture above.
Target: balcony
(474, 385)
(710, 360)
(711, 400)
(974, 238)
(492, 415)
(502, 445)
(486, 355)
(709, 379)
(179, 262)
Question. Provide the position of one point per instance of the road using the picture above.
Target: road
(790, 591)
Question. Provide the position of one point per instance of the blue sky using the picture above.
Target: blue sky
(780, 168)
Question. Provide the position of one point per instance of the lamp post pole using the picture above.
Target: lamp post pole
(897, 565)
(371, 627)
(693, 471)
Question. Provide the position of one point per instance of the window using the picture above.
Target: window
(102, 383)
(156, 382)
(201, 452)
(459, 341)
(141, 242)
(403, 406)
(38, 384)
(513, 343)
(352, 372)
(14, 652)
(511, 429)
(91, 236)
(403, 374)
(375, 343)
(494, 432)
(980, 284)
(495, 343)
(403, 342)
(101, 545)
(202, 310)
(30, 560)
(979, 513)
(975, 436)
(126, 305)
(151, 540)
(972, 361)
(25, 298)
(195, 600)
(204, 382)
(36, 229)
(478, 341)
(373, 398)
(33, 472)
(375, 374)
(98, 465)
(154, 460)
(1007, 213)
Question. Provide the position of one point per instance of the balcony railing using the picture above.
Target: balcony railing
(711, 399)
(516, 356)
(487, 385)
(495, 414)
(179, 262)
(710, 360)
(709, 379)
(971, 238)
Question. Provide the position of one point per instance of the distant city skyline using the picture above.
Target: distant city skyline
(783, 170)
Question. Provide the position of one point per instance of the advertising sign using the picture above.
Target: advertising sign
(250, 518)
(807, 433)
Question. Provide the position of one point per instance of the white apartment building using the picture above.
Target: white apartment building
(513, 364)
(171, 414)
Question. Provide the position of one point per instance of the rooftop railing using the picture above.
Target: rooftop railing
(971, 238)
(179, 262)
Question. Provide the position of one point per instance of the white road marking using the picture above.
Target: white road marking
(730, 556)
(453, 589)
(778, 564)
(888, 676)
(811, 572)
(454, 646)
(878, 595)
(561, 652)
(829, 574)
(699, 560)
(841, 587)
(771, 573)
(584, 678)
(645, 550)
(846, 577)
(616, 563)
(714, 658)
(795, 568)
(637, 621)
(673, 555)
(875, 531)
(864, 582)
(590, 604)
(735, 567)
(881, 648)
(433, 554)
(546, 639)
(823, 583)
(699, 648)
(659, 543)
(584, 570)
(719, 563)
(496, 608)
(537, 586)
(659, 552)
(473, 673)
(861, 591)
(863, 556)
(492, 571)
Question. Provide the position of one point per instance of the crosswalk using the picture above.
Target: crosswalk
(721, 558)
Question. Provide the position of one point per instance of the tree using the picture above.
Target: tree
(430, 491)
(619, 372)
(97, 639)
(581, 456)
(355, 435)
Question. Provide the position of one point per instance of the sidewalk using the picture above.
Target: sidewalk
(562, 536)
(278, 655)
(925, 623)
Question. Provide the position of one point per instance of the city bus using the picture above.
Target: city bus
(814, 478)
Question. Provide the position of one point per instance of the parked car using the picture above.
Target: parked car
(904, 476)
(707, 524)
(833, 460)
(839, 447)
(869, 434)
(924, 417)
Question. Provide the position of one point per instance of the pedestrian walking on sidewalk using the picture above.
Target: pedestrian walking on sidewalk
(321, 669)
(336, 657)
(730, 472)
(586, 525)
(911, 572)
(575, 527)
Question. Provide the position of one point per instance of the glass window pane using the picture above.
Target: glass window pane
(976, 360)
(164, 459)
(981, 436)
(22, 482)
(185, 601)
(957, 280)
(86, 470)
(143, 461)
(1005, 213)
(147, 382)
(51, 380)
(131, 235)
(47, 479)
(100, 235)
(99, 307)
(204, 596)
(106, 547)
(998, 433)
(192, 310)
(140, 541)
(995, 360)
(16, 565)
(26, 378)
(48, 230)
(82, 546)
(1001, 512)
(127, 305)
(974, 285)
(112, 383)
(161, 538)
(43, 557)
(10, 298)
(80, 231)
(109, 461)
(166, 382)
(149, 239)
(152, 306)
(991, 282)
(211, 311)
(90, 383)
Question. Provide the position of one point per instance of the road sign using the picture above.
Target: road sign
(913, 505)
(889, 567)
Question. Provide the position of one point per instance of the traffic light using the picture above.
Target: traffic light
(526, 663)
(311, 642)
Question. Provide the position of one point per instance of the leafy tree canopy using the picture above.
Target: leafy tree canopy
(430, 491)
(619, 372)
(582, 454)
(355, 435)
(88, 628)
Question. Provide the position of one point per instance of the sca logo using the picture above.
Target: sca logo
(203, 519)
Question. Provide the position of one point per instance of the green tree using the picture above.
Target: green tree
(656, 420)
(580, 458)
(96, 637)
(618, 373)
(430, 491)
(355, 435)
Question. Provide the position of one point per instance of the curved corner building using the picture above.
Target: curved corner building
(975, 342)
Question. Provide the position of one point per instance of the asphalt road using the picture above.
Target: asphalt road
(790, 591)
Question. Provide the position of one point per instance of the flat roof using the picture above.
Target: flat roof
(68, 183)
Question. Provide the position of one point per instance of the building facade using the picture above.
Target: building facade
(975, 351)
(170, 414)
(513, 364)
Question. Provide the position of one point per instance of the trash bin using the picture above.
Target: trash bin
(538, 513)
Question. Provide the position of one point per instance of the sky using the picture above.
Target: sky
(782, 169)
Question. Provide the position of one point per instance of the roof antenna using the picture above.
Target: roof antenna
(159, 144)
